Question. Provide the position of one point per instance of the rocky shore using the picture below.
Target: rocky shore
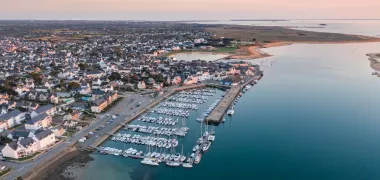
(69, 167)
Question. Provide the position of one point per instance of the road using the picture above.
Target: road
(125, 108)
(22, 168)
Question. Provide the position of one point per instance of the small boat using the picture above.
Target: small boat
(195, 148)
(224, 120)
(206, 146)
(198, 158)
(187, 165)
(230, 112)
(173, 164)
(151, 162)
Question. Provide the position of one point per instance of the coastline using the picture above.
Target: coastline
(374, 59)
(252, 52)
(68, 166)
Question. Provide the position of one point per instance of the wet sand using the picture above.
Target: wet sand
(374, 59)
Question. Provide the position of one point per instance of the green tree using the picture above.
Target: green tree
(114, 76)
(37, 77)
(82, 66)
(73, 85)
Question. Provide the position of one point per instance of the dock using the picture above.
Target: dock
(217, 114)
(219, 111)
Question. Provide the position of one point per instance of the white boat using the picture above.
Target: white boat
(173, 164)
(230, 112)
(151, 162)
(195, 148)
(211, 138)
(183, 158)
(198, 158)
(187, 165)
(206, 146)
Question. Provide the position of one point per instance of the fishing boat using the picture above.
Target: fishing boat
(149, 161)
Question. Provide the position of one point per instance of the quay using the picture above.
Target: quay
(219, 111)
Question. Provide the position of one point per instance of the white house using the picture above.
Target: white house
(141, 85)
(12, 118)
(38, 122)
(48, 109)
(22, 148)
(44, 139)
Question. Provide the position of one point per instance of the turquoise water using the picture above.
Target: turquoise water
(314, 115)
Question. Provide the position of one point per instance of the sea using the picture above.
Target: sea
(313, 116)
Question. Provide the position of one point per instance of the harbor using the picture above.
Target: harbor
(159, 134)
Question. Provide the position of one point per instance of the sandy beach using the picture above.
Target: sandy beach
(374, 59)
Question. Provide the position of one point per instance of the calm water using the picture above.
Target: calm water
(198, 55)
(360, 27)
(314, 115)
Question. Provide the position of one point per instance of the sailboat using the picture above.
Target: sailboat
(183, 158)
(150, 161)
(187, 165)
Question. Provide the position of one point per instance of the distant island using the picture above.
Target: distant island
(274, 20)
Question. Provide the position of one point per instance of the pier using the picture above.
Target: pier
(218, 113)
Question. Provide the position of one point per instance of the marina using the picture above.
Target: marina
(157, 137)
(157, 133)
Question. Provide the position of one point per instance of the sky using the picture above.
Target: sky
(188, 9)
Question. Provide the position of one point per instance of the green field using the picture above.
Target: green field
(225, 50)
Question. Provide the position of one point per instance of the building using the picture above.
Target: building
(18, 135)
(58, 131)
(38, 122)
(232, 80)
(12, 119)
(22, 148)
(48, 109)
(141, 85)
(101, 103)
(44, 139)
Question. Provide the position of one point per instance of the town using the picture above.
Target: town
(61, 80)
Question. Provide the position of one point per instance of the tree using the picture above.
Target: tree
(4, 140)
(114, 76)
(37, 77)
(82, 66)
(73, 85)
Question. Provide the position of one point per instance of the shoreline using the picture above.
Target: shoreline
(374, 59)
(65, 167)
(253, 52)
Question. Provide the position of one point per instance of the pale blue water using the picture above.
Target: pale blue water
(313, 116)
(359, 27)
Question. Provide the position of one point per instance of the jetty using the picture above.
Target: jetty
(217, 114)
(219, 111)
